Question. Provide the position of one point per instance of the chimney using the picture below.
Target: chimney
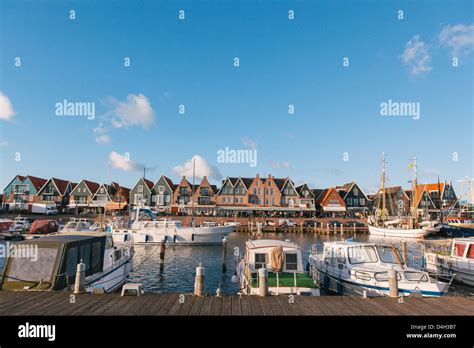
(257, 176)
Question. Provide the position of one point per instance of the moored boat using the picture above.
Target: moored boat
(459, 261)
(283, 262)
(150, 230)
(51, 262)
(354, 268)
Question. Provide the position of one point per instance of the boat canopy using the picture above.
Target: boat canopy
(50, 263)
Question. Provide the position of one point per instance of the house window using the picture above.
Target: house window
(272, 191)
(259, 200)
(161, 189)
(241, 200)
(273, 201)
(291, 262)
(356, 191)
(356, 201)
(254, 191)
(140, 188)
(362, 201)
(260, 261)
(349, 201)
(266, 202)
(266, 191)
(183, 190)
(269, 183)
(223, 199)
(230, 199)
(259, 191)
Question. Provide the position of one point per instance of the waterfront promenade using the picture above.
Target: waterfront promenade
(59, 303)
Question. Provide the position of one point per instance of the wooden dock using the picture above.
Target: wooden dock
(59, 303)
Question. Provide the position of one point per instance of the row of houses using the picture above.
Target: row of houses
(235, 196)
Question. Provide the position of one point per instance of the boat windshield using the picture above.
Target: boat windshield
(144, 215)
(71, 226)
(33, 269)
(387, 254)
(362, 254)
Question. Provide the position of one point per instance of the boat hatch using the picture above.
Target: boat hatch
(53, 262)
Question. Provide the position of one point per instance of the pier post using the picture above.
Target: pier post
(224, 255)
(262, 282)
(301, 226)
(162, 250)
(342, 228)
(327, 226)
(354, 228)
(393, 282)
(405, 251)
(80, 283)
(335, 229)
(199, 281)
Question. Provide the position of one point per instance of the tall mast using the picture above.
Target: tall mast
(382, 184)
(192, 192)
(415, 210)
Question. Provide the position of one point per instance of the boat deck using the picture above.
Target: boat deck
(58, 303)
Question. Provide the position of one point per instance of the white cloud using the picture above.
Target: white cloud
(280, 165)
(458, 38)
(416, 56)
(101, 136)
(124, 163)
(250, 143)
(202, 168)
(6, 108)
(135, 111)
(103, 139)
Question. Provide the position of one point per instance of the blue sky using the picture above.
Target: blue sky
(190, 62)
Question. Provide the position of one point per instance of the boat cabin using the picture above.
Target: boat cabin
(261, 254)
(463, 248)
(50, 263)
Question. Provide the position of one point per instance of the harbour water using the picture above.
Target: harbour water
(177, 274)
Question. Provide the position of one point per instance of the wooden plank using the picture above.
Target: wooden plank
(217, 306)
(187, 305)
(197, 306)
(267, 310)
(153, 305)
(246, 305)
(170, 299)
(236, 305)
(207, 305)
(255, 305)
(178, 304)
(286, 305)
(226, 305)
(86, 303)
(275, 306)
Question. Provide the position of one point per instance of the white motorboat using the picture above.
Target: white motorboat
(459, 261)
(354, 268)
(152, 230)
(283, 262)
(53, 262)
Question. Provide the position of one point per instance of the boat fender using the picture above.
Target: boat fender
(192, 237)
(174, 239)
(146, 238)
(165, 239)
(306, 268)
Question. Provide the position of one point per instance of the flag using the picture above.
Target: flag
(410, 165)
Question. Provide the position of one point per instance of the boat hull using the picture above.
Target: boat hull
(183, 236)
(448, 230)
(113, 279)
(463, 270)
(395, 232)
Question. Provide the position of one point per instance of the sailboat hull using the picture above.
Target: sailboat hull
(397, 232)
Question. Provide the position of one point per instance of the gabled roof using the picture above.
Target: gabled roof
(92, 186)
(279, 182)
(214, 188)
(60, 184)
(37, 182)
(326, 194)
(20, 177)
(317, 193)
(348, 187)
(300, 188)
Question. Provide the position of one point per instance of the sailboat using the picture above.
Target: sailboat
(400, 228)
